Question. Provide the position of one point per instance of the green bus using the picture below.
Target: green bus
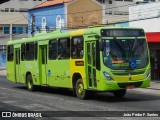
(104, 58)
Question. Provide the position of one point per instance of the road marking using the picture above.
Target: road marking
(9, 102)
(37, 107)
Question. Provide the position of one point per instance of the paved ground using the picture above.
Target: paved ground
(15, 97)
(2, 72)
(154, 84)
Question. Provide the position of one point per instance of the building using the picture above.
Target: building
(147, 16)
(83, 13)
(65, 14)
(118, 10)
(47, 16)
(13, 22)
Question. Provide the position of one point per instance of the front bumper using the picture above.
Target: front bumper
(114, 85)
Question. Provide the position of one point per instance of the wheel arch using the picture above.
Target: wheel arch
(27, 73)
(75, 77)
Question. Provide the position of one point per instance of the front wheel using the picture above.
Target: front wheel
(119, 93)
(30, 85)
(80, 91)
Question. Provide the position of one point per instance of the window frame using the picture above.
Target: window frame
(52, 49)
(12, 10)
(6, 30)
(29, 51)
(35, 50)
(23, 51)
(10, 53)
(6, 9)
(79, 48)
(62, 54)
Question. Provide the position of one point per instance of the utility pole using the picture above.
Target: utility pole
(10, 31)
(33, 25)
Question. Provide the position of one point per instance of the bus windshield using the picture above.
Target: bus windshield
(124, 54)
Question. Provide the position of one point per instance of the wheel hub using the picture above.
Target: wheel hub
(80, 89)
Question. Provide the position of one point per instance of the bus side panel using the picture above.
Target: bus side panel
(61, 73)
(11, 71)
(30, 67)
(35, 72)
(22, 72)
(52, 72)
(77, 66)
(36, 80)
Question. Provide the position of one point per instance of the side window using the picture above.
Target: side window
(30, 51)
(94, 54)
(35, 50)
(10, 53)
(23, 52)
(77, 47)
(52, 49)
(64, 48)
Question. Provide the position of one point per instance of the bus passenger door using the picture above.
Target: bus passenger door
(91, 64)
(17, 66)
(43, 64)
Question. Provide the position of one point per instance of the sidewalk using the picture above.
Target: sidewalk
(3, 72)
(155, 84)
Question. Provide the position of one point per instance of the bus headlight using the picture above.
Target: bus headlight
(148, 74)
(107, 76)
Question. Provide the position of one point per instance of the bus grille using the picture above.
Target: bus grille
(135, 84)
(127, 73)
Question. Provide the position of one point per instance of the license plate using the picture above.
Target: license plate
(130, 86)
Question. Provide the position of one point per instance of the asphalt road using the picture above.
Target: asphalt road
(57, 103)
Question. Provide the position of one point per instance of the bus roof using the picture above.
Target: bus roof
(59, 34)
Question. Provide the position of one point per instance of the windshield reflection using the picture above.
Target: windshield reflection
(125, 53)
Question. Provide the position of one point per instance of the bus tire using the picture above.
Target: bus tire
(80, 91)
(119, 93)
(30, 85)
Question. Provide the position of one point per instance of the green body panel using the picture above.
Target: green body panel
(59, 73)
(30, 67)
(11, 71)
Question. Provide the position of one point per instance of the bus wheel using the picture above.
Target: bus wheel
(30, 85)
(119, 93)
(80, 91)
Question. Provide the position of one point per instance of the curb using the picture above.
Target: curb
(3, 75)
(154, 88)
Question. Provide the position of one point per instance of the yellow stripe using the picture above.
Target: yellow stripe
(77, 32)
(126, 78)
(77, 69)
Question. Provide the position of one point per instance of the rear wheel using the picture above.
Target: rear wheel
(80, 91)
(30, 85)
(119, 93)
